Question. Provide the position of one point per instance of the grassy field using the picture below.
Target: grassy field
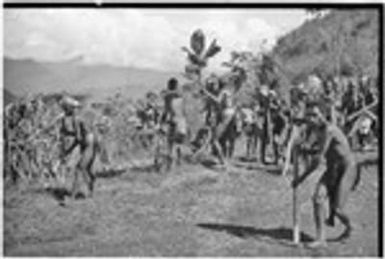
(190, 211)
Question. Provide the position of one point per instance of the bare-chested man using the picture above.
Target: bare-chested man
(337, 180)
(266, 98)
(250, 127)
(173, 115)
(216, 98)
(230, 124)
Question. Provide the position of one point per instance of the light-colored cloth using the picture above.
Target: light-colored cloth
(181, 125)
(249, 115)
(226, 93)
(228, 112)
(70, 102)
(314, 82)
(365, 125)
(264, 90)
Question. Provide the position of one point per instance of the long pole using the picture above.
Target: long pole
(296, 215)
(289, 149)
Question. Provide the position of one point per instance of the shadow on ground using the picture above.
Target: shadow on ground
(247, 159)
(268, 167)
(110, 173)
(58, 193)
(209, 163)
(281, 235)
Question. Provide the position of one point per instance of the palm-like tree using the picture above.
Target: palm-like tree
(198, 55)
(239, 65)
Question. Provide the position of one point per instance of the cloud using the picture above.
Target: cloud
(126, 37)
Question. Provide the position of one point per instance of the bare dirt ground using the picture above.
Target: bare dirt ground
(191, 211)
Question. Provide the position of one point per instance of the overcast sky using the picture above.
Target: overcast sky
(143, 38)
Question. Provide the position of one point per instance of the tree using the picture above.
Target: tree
(198, 55)
(239, 65)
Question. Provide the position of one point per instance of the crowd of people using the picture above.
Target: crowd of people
(267, 121)
(329, 116)
(320, 123)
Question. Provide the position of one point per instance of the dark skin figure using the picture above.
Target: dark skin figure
(280, 129)
(173, 114)
(213, 120)
(73, 129)
(336, 182)
(252, 129)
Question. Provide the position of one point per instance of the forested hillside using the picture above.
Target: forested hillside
(351, 36)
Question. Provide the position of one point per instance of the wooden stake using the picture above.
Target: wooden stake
(363, 110)
(289, 150)
(296, 216)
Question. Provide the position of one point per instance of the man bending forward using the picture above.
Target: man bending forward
(337, 180)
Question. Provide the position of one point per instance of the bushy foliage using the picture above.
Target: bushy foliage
(342, 42)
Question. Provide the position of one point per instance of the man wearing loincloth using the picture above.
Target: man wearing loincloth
(173, 113)
(338, 177)
(174, 118)
(219, 112)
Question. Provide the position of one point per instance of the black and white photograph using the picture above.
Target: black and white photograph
(192, 130)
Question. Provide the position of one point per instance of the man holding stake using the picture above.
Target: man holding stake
(338, 177)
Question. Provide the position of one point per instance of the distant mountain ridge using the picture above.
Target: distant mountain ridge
(23, 77)
(309, 48)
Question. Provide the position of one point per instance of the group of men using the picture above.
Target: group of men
(324, 145)
(265, 123)
(267, 120)
(219, 112)
(320, 137)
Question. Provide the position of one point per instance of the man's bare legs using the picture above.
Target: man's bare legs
(219, 152)
(319, 204)
(343, 192)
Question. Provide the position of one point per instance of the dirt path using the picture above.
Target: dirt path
(192, 211)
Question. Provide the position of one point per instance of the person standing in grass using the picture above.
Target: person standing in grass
(335, 158)
(217, 98)
(74, 133)
(174, 118)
